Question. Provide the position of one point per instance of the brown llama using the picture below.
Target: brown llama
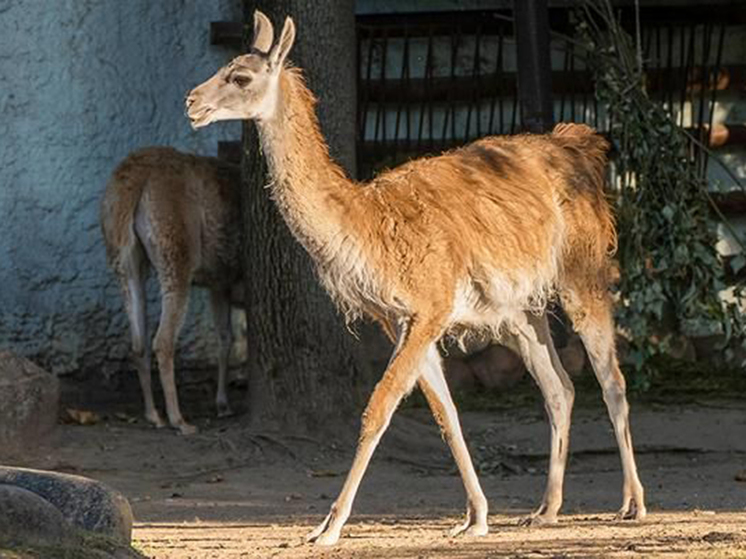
(478, 238)
(180, 214)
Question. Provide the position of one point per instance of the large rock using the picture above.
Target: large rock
(458, 374)
(573, 355)
(497, 367)
(28, 402)
(85, 503)
(28, 519)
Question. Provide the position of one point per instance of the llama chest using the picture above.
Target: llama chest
(353, 284)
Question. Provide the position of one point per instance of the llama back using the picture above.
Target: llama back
(197, 196)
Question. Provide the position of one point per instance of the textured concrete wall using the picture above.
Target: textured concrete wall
(82, 83)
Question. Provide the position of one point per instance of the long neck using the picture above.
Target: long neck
(311, 190)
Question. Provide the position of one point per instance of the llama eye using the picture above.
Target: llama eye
(241, 81)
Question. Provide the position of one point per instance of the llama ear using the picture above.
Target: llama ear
(263, 33)
(283, 46)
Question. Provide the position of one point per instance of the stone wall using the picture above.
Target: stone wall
(83, 83)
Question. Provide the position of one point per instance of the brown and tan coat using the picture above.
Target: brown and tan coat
(179, 214)
(476, 239)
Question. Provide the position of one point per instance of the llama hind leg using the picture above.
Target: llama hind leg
(594, 322)
(532, 339)
(174, 305)
(221, 314)
(132, 280)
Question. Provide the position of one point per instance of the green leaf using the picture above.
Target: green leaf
(737, 263)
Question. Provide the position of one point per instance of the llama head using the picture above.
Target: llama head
(247, 87)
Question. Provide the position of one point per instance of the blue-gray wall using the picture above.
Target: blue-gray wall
(83, 83)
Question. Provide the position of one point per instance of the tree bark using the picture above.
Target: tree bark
(304, 367)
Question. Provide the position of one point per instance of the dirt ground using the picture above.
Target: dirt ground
(228, 492)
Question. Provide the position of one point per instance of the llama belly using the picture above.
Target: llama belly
(496, 300)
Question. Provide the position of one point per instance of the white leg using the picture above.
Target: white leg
(221, 313)
(534, 342)
(132, 280)
(173, 308)
(598, 338)
(399, 378)
(434, 386)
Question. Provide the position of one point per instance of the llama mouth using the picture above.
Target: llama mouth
(199, 118)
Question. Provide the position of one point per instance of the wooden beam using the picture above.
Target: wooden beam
(722, 135)
(227, 33)
(465, 89)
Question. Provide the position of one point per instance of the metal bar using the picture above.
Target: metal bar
(706, 44)
(534, 64)
(404, 76)
(713, 96)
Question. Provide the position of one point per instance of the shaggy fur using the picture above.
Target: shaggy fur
(478, 238)
(180, 214)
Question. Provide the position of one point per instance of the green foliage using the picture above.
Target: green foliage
(671, 272)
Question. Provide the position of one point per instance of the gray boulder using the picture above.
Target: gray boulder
(28, 519)
(29, 398)
(84, 503)
(497, 367)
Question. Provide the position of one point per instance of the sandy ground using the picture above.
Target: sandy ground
(228, 492)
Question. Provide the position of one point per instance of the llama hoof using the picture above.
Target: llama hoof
(325, 534)
(155, 420)
(224, 410)
(316, 532)
(467, 529)
(186, 429)
(538, 520)
(475, 523)
(630, 511)
(326, 539)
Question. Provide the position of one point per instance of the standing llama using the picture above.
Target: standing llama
(478, 238)
(181, 215)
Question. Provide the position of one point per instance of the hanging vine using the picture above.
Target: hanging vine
(672, 275)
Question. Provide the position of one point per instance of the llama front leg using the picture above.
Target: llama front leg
(434, 386)
(221, 314)
(399, 378)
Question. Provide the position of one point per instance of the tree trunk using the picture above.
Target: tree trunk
(304, 367)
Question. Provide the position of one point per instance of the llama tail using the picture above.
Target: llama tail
(584, 137)
(117, 212)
